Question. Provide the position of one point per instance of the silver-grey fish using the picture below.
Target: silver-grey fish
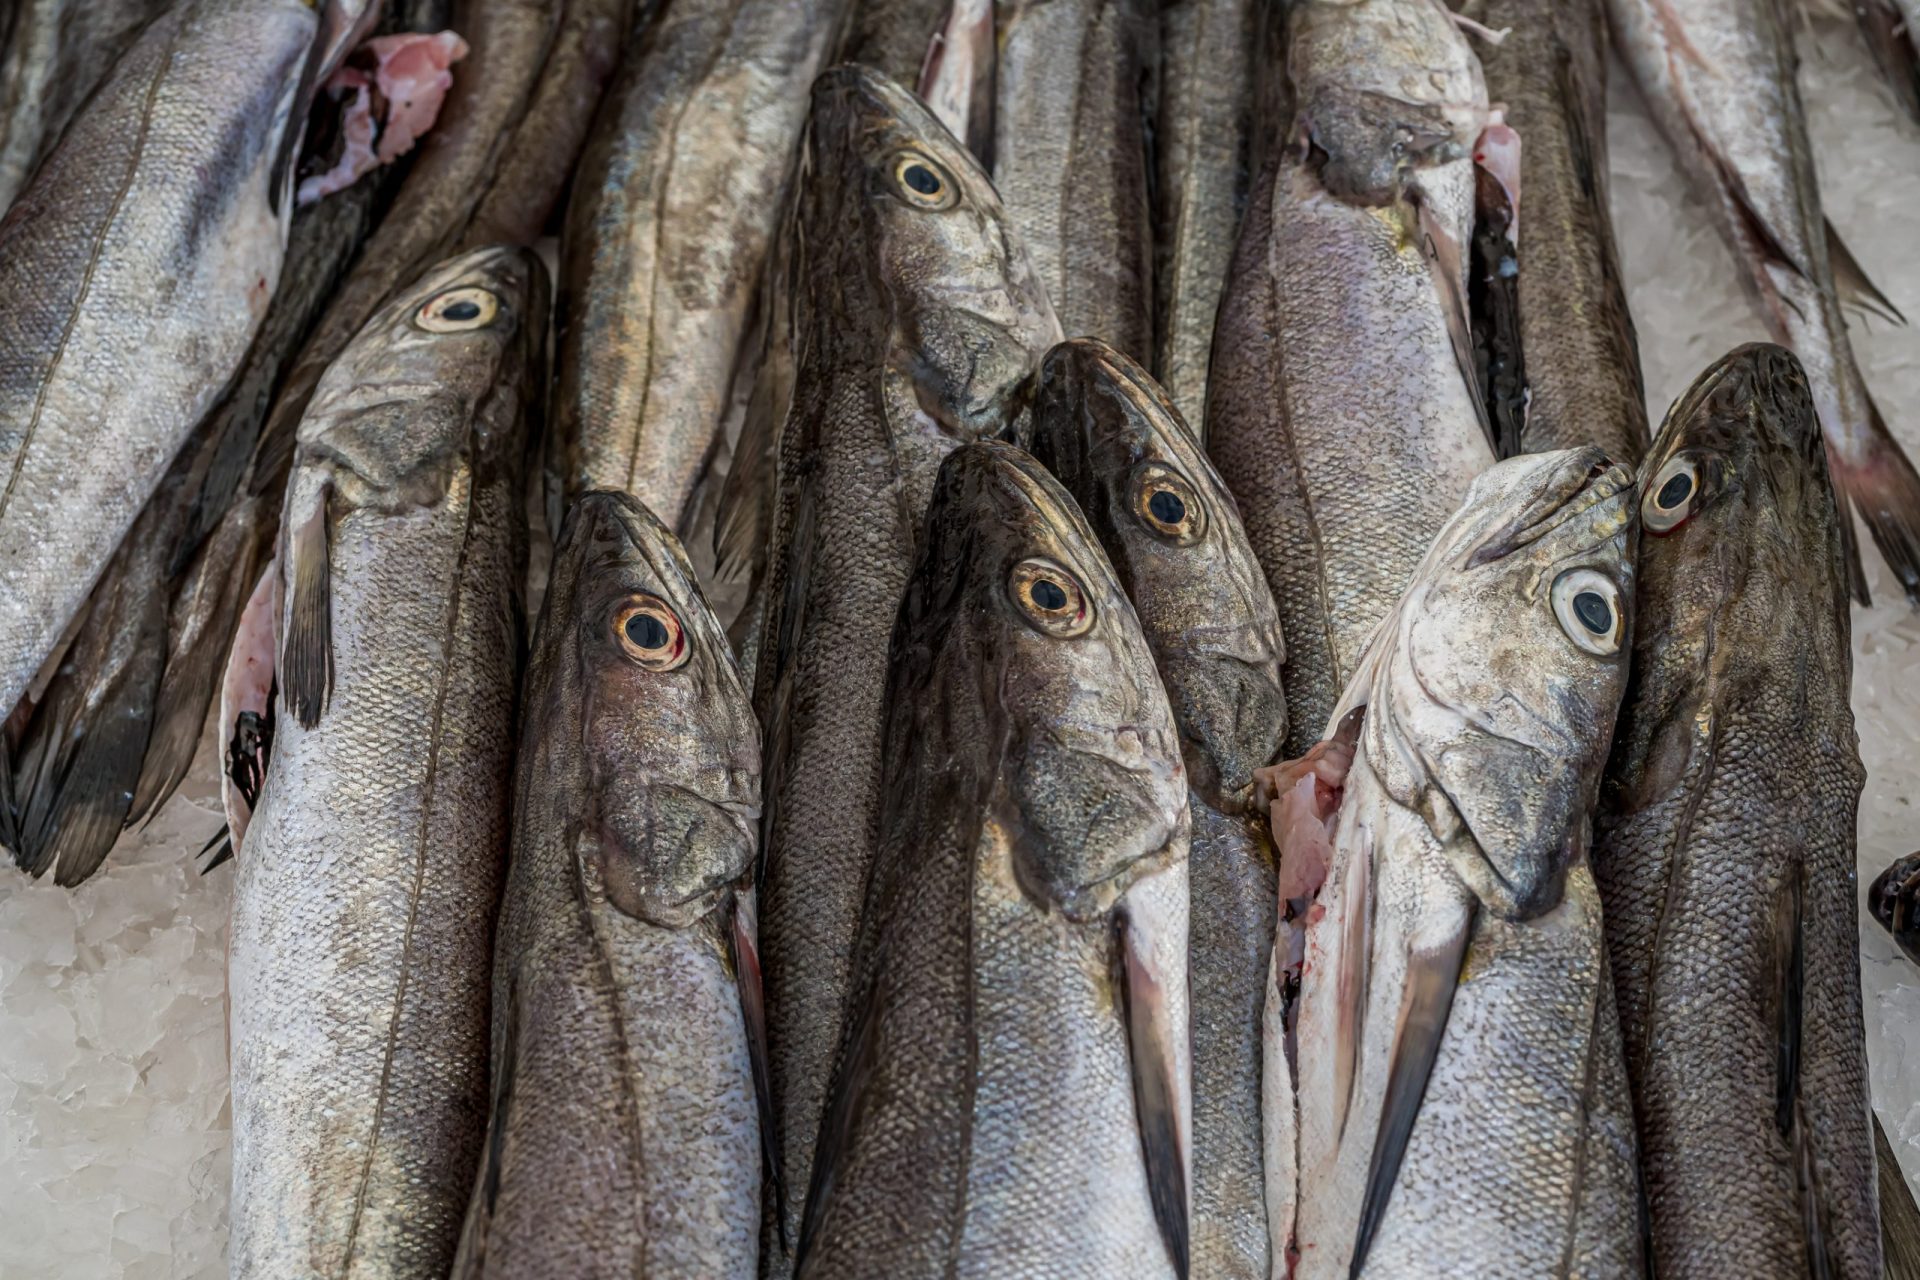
(1462, 1107)
(625, 1139)
(1725, 844)
(1171, 529)
(1011, 1100)
(370, 871)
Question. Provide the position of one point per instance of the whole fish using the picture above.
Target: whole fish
(674, 206)
(917, 326)
(134, 270)
(1894, 900)
(1168, 524)
(1074, 90)
(1340, 407)
(1009, 1101)
(1889, 27)
(624, 1139)
(1462, 1104)
(1203, 143)
(1724, 844)
(369, 874)
(1718, 76)
(1582, 363)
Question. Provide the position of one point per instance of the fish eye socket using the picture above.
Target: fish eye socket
(1669, 499)
(1586, 603)
(922, 183)
(650, 634)
(1167, 504)
(458, 310)
(1050, 599)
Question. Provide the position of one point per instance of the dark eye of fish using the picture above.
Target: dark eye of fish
(461, 311)
(921, 182)
(651, 634)
(1595, 614)
(1586, 604)
(1167, 505)
(1675, 491)
(1049, 598)
(458, 310)
(921, 179)
(1670, 498)
(1048, 595)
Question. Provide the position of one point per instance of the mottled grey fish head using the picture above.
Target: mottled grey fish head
(1493, 687)
(919, 245)
(443, 373)
(1110, 434)
(1066, 728)
(641, 710)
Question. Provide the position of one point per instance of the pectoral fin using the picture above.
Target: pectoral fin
(1850, 278)
(1157, 1094)
(306, 655)
(743, 929)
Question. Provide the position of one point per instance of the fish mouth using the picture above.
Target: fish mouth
(1584, 483)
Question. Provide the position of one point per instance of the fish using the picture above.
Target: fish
(136, 267)
(1340, 403)
(1580, 354)
(676, 202)
(625, 1134)
(1009, 1099)
(1169, 526)
(1074, 88)
(1724, 842)
(918, 323)
(957, 77)
(1899, 1215)
(1888, 28)
(1718, 78)
(1892, 899)
(370, 871)
(1461, 1093)
(892, 36)
(1203, 146)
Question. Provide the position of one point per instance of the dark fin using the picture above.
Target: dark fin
(1853, 284)
(1493, 302)
(859, 1055)
(746, 496)
(1443, 260)
(1789, 974)
(1156, 1094)
(1894, 52)
(1762, 240)
(220, 845)
(1899, 1218)
(1350, 984)
(1850, 562)
(1432, 978)
(1886, 491)
(745, 954)
(306, 656)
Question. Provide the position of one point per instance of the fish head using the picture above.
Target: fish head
(443, 374)
(1173, 534)
(913, 223)
(1492, 689)
(635, 674)
(1077, 750)
(1894, 900)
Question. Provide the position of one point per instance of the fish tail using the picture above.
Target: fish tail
(1881, 483)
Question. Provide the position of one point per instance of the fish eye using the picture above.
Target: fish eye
(1050, 598)
(1587, 605)
(922, 183)
(1167, 504)
(1668, 500)
(651, 634)
(458, 310)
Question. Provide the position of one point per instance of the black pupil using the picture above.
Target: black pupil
(1675, 491)
(464, 309)
(1594, 613)
(922, 179)
(1167, 507)
(647, 631)
(1048, 595)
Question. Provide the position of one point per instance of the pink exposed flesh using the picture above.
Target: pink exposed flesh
(1498, 152)
(1305, 795)
(247, 685)
(406, 82)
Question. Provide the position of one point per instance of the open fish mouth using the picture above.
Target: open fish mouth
(1582, 485)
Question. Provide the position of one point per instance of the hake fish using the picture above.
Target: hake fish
(918, 324)
(1725, 844)
(1011, 1099)
(1341, 407)
(1718, 76)
(625, 1137)
(1462, 1103)
(1171, 530)
(370, 871)
(675, 204)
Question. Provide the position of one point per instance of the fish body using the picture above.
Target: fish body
(624, 1139)
(1462, 1107)
(677, 199)
(1725, 844)
(917, 326)
(1120, 447)
(1718, 76)
(370, 872)
(1338, 410)
(1074, 90)
(1011, 1059)
(892, 36)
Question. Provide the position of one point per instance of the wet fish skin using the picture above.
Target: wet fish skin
(1724, 843)
(1338, 413)
(1036, 804)
(1582, 357)
(1116, 442)
(624, 1139)
(891, 36)
(918, 323)
(1074, 87)
(1462, 1106)
(663, 257)
(368, 879)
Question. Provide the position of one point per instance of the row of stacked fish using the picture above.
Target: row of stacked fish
(1217, 821)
